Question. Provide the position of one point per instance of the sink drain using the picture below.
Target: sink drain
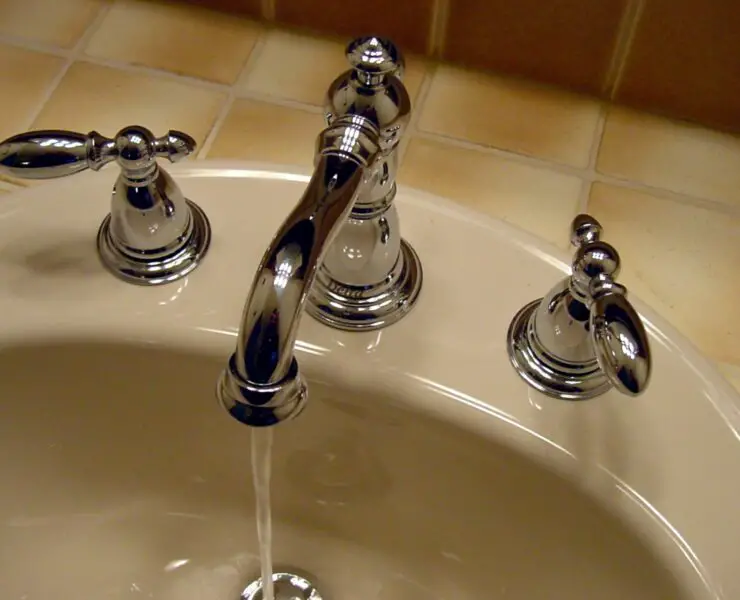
(288, 586)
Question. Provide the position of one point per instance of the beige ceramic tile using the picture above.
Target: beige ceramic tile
(512, 115)
(105, 99)
(731, 373)
(299, 67)
(671, 155)
(26, 78)
(181, 38)
(268, 133)
(540, 201)
(680, 258)
(56, 22)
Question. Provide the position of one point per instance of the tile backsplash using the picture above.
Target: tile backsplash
(679, 58)
(668, 193)
(565, 42)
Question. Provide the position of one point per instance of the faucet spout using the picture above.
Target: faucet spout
(262, 385)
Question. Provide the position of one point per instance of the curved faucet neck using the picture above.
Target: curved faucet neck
(347, 151)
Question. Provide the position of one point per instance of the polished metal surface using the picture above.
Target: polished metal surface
(584, 337)
(262, 386)
(152, 235)
(370, 276)
(287, 586)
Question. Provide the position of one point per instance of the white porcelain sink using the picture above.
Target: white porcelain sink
(423, 466)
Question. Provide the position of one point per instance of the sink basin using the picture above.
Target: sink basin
(423, 467)
(140, 482)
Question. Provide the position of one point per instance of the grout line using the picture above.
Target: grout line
(563, 168)
(622, 46)
(587, 175)
(205, 147)
(598, 137)
(241, 80)
(159, 73)
(278, 101)
(584, 195)
(71, 56)
(665, 194)
(590, 174)
(438, 28)
(252, 59)
(36, 46)
(229, 102)
(423, 93)
(421, 96)
(240, 90)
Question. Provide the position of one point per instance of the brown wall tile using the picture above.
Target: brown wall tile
(406, 22)
(565, 42)
(685, 61)
(252, 8)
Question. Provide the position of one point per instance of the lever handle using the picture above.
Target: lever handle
(618, 335)
(49, 154)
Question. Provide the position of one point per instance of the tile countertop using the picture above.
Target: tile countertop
(667, 193)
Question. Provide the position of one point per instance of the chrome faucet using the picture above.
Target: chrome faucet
(152, 234)
(338, 253)
(261, 385)
(584, 337)
(370, 277)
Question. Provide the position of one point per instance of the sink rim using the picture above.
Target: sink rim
(192, 328)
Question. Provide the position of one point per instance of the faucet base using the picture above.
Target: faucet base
(261, 404)
(366, 308)
(167, 264)
(546, 372)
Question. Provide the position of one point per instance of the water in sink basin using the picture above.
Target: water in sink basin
(123, 478)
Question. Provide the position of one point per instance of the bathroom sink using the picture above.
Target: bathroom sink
(423, 466)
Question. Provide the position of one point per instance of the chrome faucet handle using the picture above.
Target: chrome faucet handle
(50, 154)
(617, 333)
(153, 234)
(584, 337)
(619, 337)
